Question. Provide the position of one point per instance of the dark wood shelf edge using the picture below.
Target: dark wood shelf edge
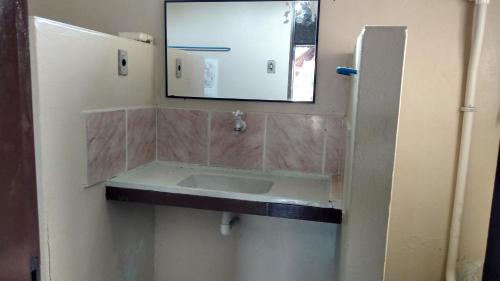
(289, 211)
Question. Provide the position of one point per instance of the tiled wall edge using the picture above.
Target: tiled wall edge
(156, 134)
(130, 108)
(325, 141)
(209, 137)
(336, 114)
(265, 136)
(110, 109)
(84, 115)
(210, 115)
(85, 148)
(126, 140)
(264, 143)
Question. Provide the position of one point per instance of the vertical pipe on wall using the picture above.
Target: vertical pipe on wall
(468, 109)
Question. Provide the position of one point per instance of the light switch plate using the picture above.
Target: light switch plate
(178, 68)
(271, 66)
(122, 63)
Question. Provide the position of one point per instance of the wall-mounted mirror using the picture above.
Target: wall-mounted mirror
(255, 50)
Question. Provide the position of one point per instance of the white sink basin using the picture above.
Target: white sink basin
(227, 183)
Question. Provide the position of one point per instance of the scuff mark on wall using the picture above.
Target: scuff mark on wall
(129, 272)
(469, 270)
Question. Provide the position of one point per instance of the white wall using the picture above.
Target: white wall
(191, 82)
(189, 246)
(255, 32)
(84, 237)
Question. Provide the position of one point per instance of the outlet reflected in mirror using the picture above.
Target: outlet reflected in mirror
(256, 50)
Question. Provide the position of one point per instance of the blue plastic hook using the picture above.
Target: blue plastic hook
(346, 71)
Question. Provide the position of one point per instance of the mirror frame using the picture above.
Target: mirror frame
(230, 99)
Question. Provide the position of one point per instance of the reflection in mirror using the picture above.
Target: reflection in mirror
(257, 50)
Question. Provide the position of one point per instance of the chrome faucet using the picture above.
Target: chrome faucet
(239, 124)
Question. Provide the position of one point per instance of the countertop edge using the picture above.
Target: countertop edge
(262, 208)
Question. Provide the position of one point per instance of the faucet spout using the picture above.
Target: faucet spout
(239, 124)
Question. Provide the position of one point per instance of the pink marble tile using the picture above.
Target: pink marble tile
(243, 151)
(337, 188)
(105, 145)
(183, 135)
(335, 145)
(141, 137)
(295, 142)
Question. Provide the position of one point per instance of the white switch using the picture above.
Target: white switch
(178, 68)
(122, 63)
(271, 66)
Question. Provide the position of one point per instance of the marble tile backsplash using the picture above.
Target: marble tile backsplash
(119, 140)
(243, 150)
(291, 142)
(183, 135)
(335, 145)
(141, 137)
(295, 142)
(123, 139)
(105, 145)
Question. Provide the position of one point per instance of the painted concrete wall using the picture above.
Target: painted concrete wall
(373, 124)
(429, 125)
(189, 246)
(428, 143)
(483, 160)
(83, 237)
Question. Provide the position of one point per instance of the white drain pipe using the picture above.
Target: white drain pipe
(468, 109)
(228, 221)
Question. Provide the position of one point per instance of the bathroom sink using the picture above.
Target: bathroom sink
(227, 183)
